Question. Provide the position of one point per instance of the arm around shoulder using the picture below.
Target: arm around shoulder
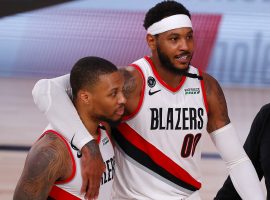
(51, 97)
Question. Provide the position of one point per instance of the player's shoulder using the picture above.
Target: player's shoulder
(51, 143)
(211, 84)
(208, 78)
(133, 79)
(45, 150)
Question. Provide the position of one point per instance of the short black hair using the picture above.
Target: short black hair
(86, 71)
(162, 10)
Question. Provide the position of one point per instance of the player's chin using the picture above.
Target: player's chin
(116, 120)
(182, 67)
(117, 116)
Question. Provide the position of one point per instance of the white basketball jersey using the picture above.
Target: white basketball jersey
(158, 149)
(70, 188)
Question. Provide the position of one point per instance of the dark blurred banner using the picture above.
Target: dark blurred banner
(11, 7)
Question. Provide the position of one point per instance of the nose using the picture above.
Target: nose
(183, 45)
(122, 99)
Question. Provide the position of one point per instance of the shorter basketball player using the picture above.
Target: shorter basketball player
(53, 169)
(258, 149)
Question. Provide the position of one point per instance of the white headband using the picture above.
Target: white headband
(169, 23)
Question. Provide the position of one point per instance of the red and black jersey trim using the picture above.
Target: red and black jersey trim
(152, 158)
(59, 194)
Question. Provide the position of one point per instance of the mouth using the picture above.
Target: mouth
(120, 111)
(183, 58)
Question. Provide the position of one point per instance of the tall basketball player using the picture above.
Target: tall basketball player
(53, 169)
(170, 106)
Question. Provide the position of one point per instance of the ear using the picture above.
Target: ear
(151, 41)
(85, 96)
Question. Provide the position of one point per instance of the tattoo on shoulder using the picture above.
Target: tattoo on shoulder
(44, 156)
(40, 170)
(130, 83)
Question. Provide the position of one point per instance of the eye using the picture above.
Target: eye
(113, 93)
(189, 37)
(173, 39)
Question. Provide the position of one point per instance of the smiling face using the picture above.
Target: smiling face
(174, 49)
(107, 97)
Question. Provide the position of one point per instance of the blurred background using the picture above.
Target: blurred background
(43, 39)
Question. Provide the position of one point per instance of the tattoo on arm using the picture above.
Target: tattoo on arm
(222, 105)
(130, 82)
(218, 113)
(41, 170)
(93, 148)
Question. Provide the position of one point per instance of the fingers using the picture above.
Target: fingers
(93, 190)
(84, 184)
(92, 168)
(91, 185)
(94, 181)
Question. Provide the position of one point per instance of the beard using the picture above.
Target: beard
(112, 123)
(167, 64)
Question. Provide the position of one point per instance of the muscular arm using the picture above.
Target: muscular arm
(227, 142)
(47, 161)
(50, 96)
(218, 112)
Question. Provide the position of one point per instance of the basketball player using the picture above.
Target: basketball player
(52, 167)
(258, 149)
(170, 107)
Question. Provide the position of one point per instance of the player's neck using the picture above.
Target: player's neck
(91, 126)
(169, 77)
(90, 123)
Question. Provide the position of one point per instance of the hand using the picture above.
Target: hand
(92, 168)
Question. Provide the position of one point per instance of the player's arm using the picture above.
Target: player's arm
(51, 97)
(223, 135)
(47, 161)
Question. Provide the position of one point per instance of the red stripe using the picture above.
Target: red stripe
(141, 94)
(203, 92)
(99, 136)
(70, 153)
(160, 79)
(156, 155)
(60, 194)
